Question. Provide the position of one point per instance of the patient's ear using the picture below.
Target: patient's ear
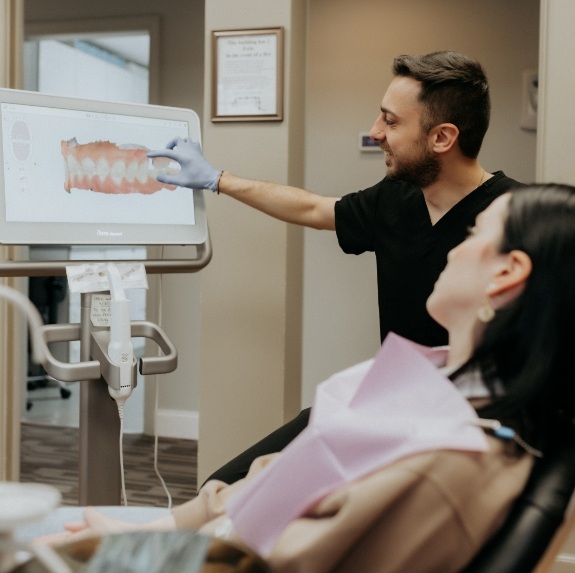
(510, 278)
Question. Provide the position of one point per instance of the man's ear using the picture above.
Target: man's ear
(510, 277)
(443, 137)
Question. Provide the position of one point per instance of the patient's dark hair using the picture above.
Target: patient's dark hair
(531, 343)
(454, 89)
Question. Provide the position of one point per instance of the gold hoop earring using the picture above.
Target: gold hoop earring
(486, 312)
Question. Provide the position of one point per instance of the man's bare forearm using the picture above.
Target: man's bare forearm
(289, 204)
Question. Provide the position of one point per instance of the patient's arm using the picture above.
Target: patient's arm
(96, 524)
(205, 510)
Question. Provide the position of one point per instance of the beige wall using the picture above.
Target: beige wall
(245, 343)
(557, 91)
(350, 50)
(251, 312)
(556, 126)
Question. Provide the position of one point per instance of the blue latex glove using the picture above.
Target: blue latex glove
(195, 171)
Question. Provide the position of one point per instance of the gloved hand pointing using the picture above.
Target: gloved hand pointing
(195, 171)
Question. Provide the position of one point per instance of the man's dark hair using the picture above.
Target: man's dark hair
(454, 89)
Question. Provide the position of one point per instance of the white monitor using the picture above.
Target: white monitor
(75, 172)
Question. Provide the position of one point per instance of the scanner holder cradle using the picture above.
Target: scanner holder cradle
(99, 460)
(101, 366)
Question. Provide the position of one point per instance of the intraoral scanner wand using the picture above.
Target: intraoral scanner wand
(120, 349)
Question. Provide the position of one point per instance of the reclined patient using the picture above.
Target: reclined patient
(412, 460)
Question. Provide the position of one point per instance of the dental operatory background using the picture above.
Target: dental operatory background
(75, 67)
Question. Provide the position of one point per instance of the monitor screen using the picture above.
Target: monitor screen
(75, 172)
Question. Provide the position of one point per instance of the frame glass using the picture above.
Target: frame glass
(247, 75)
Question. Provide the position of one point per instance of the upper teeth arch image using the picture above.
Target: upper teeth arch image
(105, 167)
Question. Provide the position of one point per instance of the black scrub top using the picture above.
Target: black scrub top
(391, 219)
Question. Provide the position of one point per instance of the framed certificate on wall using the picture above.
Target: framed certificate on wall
(247, 75)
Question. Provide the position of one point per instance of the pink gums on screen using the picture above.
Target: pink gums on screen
(105, 167)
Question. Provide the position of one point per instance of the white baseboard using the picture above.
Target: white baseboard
(182, 424)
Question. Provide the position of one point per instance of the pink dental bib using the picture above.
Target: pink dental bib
(363, 418)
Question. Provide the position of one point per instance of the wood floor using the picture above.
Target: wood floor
(49, 454)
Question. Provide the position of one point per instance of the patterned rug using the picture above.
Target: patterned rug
(49, 454)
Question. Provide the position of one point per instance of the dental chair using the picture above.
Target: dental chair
(528, 542)
(538, 523)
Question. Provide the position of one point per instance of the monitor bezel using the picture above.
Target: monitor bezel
(33, 233)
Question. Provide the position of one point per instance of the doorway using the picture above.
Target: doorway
(112, 65)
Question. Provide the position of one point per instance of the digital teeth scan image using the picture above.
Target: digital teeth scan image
(105, 167)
